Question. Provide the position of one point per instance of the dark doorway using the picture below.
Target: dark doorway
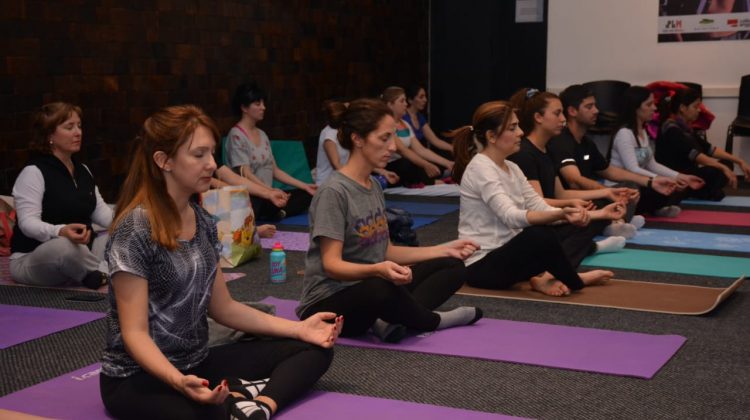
(477, 54)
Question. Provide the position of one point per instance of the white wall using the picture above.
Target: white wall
(616, 39)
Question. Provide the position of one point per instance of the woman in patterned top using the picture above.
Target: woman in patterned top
(165, 280)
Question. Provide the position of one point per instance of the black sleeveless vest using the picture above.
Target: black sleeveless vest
(67, 199)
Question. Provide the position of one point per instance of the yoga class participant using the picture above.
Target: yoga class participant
(632, 149)
(415, 164)
(503, 213)
(541, 116)
(352, 269)
(165, 280)
(248, 152)
(416, 97)
(57, 201)
(680, 148)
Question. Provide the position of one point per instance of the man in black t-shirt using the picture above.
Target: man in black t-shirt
(578, 160)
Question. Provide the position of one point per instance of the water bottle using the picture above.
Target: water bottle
(278, 263)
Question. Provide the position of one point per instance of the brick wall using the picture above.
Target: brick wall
(121, 60)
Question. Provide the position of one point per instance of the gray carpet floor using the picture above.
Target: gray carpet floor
(709, 377)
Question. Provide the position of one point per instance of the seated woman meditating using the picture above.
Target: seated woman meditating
(415, 164)
(248, 152)
(165, 280)
(331, 156)
(632, 149)
(352, 268)
(506, 216)
(681, 149)
(57, 201)
(416, 97)
(541, 116)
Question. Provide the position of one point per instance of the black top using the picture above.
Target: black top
(678, 146)
(67, 199)
(537, 166)
(565, 150)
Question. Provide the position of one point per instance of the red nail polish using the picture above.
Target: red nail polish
(205, 383)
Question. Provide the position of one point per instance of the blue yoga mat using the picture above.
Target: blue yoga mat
(429, 209)
(729, 201)
(672, 262)
(691, 240)
(302, 220)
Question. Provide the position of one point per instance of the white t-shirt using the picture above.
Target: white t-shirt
(324, 167)
(494, 204)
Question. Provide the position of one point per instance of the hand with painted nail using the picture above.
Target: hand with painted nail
(319, 330)
(198, 390)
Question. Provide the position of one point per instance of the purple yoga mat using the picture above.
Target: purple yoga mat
(76, 396)
(554, 346)
(335, 406)
(71, 396)
(291, 241)
(23, 323)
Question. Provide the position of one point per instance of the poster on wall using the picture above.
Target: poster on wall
(703, 20)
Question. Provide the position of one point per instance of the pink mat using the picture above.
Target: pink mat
(704, 217)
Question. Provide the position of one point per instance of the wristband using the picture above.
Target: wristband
(650, 182)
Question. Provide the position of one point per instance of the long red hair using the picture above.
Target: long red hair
(164, 131)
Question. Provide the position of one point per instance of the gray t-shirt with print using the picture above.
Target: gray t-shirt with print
(241, 151)
(345, 211)
(179, 290)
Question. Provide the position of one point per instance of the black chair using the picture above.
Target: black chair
(741, 125)
(697, 87)
(608, 94)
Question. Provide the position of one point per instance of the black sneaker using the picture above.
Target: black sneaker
(94, 280)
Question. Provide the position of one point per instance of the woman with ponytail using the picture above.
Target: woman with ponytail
(541, 117)
(165, 280)
(352, 268)
(505, 215)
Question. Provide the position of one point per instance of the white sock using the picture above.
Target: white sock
(668, 211)
(626, 230)
(463, 315)
(638, 221)
(611, 244)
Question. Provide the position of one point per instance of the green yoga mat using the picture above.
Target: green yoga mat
(290, 158)
(672, 262)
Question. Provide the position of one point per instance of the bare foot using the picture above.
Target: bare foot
(266, 231)
(593, 277)
(549, 285)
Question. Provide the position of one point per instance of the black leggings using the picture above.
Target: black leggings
(651, 200)
(578, 242)
(299, 202)
(293, 367)
(433, 282)
(532, 252)
(409, 173)
(715, 181)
